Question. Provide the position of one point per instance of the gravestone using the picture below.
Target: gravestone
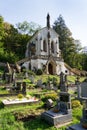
(18, 87)
(24, 87)
(82, 95)
(61, 114)
(31, 78)
(39, 83)
(63, 82)
(14, 76)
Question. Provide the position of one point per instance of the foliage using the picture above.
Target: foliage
(8, 117)
(20, 96)
(52, 96)
(39, 72)
(76, 104)
(1, 28)
(13, 42)
(3, 90)
(27, 80)
(27, 28)
(30, 72)
(70, 48)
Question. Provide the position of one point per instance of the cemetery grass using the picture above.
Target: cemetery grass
(10, 118)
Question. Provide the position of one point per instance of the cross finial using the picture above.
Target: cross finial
(48, 20)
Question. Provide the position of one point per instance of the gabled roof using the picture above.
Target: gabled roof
(38, 31)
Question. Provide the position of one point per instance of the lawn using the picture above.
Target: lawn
(12, 118)
(27, 117)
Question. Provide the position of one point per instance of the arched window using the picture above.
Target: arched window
(52, 47)
(44, 45)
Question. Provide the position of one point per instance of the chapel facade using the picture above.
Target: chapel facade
(43, 51)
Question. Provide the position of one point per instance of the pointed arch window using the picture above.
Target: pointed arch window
(44, 46)
(52, 47)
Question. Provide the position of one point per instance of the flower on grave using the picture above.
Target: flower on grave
(20, 96)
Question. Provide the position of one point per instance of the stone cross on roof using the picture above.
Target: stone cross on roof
(48, 20)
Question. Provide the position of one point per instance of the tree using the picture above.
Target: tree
(14, 42)
(64, 33)
(1, 28)
(9, 37)
(69, 47)
(27, 28)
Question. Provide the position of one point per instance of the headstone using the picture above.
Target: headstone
(24, 87)
(26, 75)
(62, 112)
(31, 78)
(39, 83)
(14, 75)
(82, 89)
(63, 82)
(82, 95)
(18, 87)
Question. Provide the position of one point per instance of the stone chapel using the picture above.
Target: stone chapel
(43, 51)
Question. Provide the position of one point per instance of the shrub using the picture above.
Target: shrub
(52, 96)
(39, 72)
(20, 96)
(45, 83)
(30, 72)
(75, 104)
(1, 105)
(55, 81)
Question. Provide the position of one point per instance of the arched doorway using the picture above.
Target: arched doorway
(50, 68)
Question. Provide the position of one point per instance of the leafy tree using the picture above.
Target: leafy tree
(84, 61)
(64, 33)
(1, 28)
(27, 28)
(14, 42)
(9, 37)
(69, 47)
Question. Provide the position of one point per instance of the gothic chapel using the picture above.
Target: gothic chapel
(44, 53)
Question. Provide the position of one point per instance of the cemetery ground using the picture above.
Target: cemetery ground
(28, 116)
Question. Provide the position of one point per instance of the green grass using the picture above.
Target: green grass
(8, 121)
(3, 90)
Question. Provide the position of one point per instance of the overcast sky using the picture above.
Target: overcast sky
(74, 13)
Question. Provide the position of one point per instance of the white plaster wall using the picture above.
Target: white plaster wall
(61, 68)
(53, 37)
(26, 65)
(40, 36)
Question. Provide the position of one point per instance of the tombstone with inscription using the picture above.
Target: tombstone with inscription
(61, 113)
(82, 95)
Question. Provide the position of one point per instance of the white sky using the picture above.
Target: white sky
(74, 13)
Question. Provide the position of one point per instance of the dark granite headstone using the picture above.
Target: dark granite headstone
(63, 113)
(24, 87)
(18, 87)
